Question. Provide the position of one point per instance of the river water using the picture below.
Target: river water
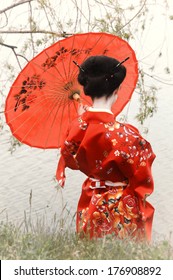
(28, 188)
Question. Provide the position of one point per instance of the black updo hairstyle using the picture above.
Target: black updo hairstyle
(100, 77)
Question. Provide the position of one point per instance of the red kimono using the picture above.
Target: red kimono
(117, 162)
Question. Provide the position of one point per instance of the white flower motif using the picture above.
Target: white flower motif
(83, 125)
(117, 153)
(107, 135)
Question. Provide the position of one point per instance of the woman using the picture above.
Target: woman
(115, 157)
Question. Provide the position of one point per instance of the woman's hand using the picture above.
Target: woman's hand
(82, 109)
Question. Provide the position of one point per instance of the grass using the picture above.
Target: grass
(39, 242)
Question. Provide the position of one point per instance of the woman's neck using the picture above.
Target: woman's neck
(103, 102)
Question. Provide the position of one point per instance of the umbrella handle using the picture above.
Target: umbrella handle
(81, 108)
(76, 97)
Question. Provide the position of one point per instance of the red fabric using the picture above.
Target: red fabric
(117, 161)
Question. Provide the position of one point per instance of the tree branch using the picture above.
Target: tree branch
(140, 10)
(158, 79)
(15, 5)
(8, 46)
(6, 19)
(14, 51)
(31, 21)
(64, 34)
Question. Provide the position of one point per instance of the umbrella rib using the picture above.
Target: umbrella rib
(74, 72)
(32, 62)
(55, 67)
(63, 103)
(75, 69)
(41, 100)
(61, 122)
(56, 85)
(40, 108)
(49, 86)
(41, 117)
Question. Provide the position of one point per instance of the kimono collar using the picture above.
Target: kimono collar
(91, 109)
(98, 115)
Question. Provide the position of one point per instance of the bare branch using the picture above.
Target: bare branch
(158, 79)
(6, 21)
(15, 5)
(8, 46)
(14, 51)
(140, 10)
(64, 34)
(23, 57)
(31, 23)
(77, 15)
(80, 10)
(89, 15)
(46, 14)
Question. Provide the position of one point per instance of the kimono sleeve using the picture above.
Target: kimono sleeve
(67, 159)
(143, 185)
(135, 162)
(137, 157)
(69, 150)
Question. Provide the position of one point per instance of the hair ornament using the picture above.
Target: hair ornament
(122, 61)
(78, 66)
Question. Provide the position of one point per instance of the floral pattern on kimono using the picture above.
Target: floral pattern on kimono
(117, 161)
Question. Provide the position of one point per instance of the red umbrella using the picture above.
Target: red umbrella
(40, 104)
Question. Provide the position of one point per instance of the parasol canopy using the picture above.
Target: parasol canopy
(41, 104)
